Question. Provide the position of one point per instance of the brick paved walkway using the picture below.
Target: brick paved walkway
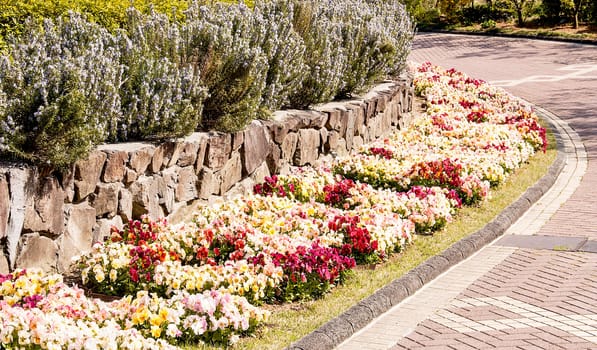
(514, 293)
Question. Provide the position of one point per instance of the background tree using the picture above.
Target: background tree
(521, 7)
(551, 10)
(577, 6)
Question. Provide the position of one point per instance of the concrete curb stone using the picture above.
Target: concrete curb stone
(516, 36)
(334, 332)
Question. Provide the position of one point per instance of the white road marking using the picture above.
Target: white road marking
(582, 326)
(576, 71)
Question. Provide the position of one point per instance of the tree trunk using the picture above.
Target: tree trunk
(519, 15)
(577, 6)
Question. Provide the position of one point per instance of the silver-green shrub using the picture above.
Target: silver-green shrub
(59, 90)
(396, 30)
(273, 32)
(161, 95)
(68, 85)
(376, 37)
(325, 58)
(232, 68)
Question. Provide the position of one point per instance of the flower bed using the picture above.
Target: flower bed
(296, 238)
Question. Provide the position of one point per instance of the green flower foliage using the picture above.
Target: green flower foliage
(109, 14)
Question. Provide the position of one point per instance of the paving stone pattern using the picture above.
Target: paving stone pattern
(534, 299)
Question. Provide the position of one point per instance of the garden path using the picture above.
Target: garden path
(536, 287)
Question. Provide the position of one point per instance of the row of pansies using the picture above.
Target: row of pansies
(295, 238)
(40, 311)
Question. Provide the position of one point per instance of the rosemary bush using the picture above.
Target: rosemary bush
(324, 58)
(162, 95)
(376, 36)
(273, 32)
(68, 84)
(233, 70)
(59, 91)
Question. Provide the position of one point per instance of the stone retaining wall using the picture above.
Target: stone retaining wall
(46, 220)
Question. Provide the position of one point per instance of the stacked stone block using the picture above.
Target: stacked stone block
(45, 220)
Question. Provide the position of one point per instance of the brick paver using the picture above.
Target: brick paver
(526, 298)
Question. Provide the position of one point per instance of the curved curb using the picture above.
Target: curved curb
(334, 332)
(516, 36)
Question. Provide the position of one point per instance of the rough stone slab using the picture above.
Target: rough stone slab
(209, 183)
(359, 110)
(231, 173)
(4, 268)
(67, 181)
(238, 138)
(307, 147)
(351, 119)
(141, 158)
(260, 173)
(332, 141)
(166, 187)
(309, 119)
(125, 204)
(114, 169)
(145, 197)
(87, 174)
(278, 128)
(201, 152)
(130, 176)
(78, 231)
(46, 213)
(106, 199)
(218, 150)
(21, 182)
(337, 116)
(357, 142)
(37, 252)
(274, 160)
(166, 155)
(256, 147)
(288, 146)
(186, 188)
(4, 206)
(188, 154)
(371, 108)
